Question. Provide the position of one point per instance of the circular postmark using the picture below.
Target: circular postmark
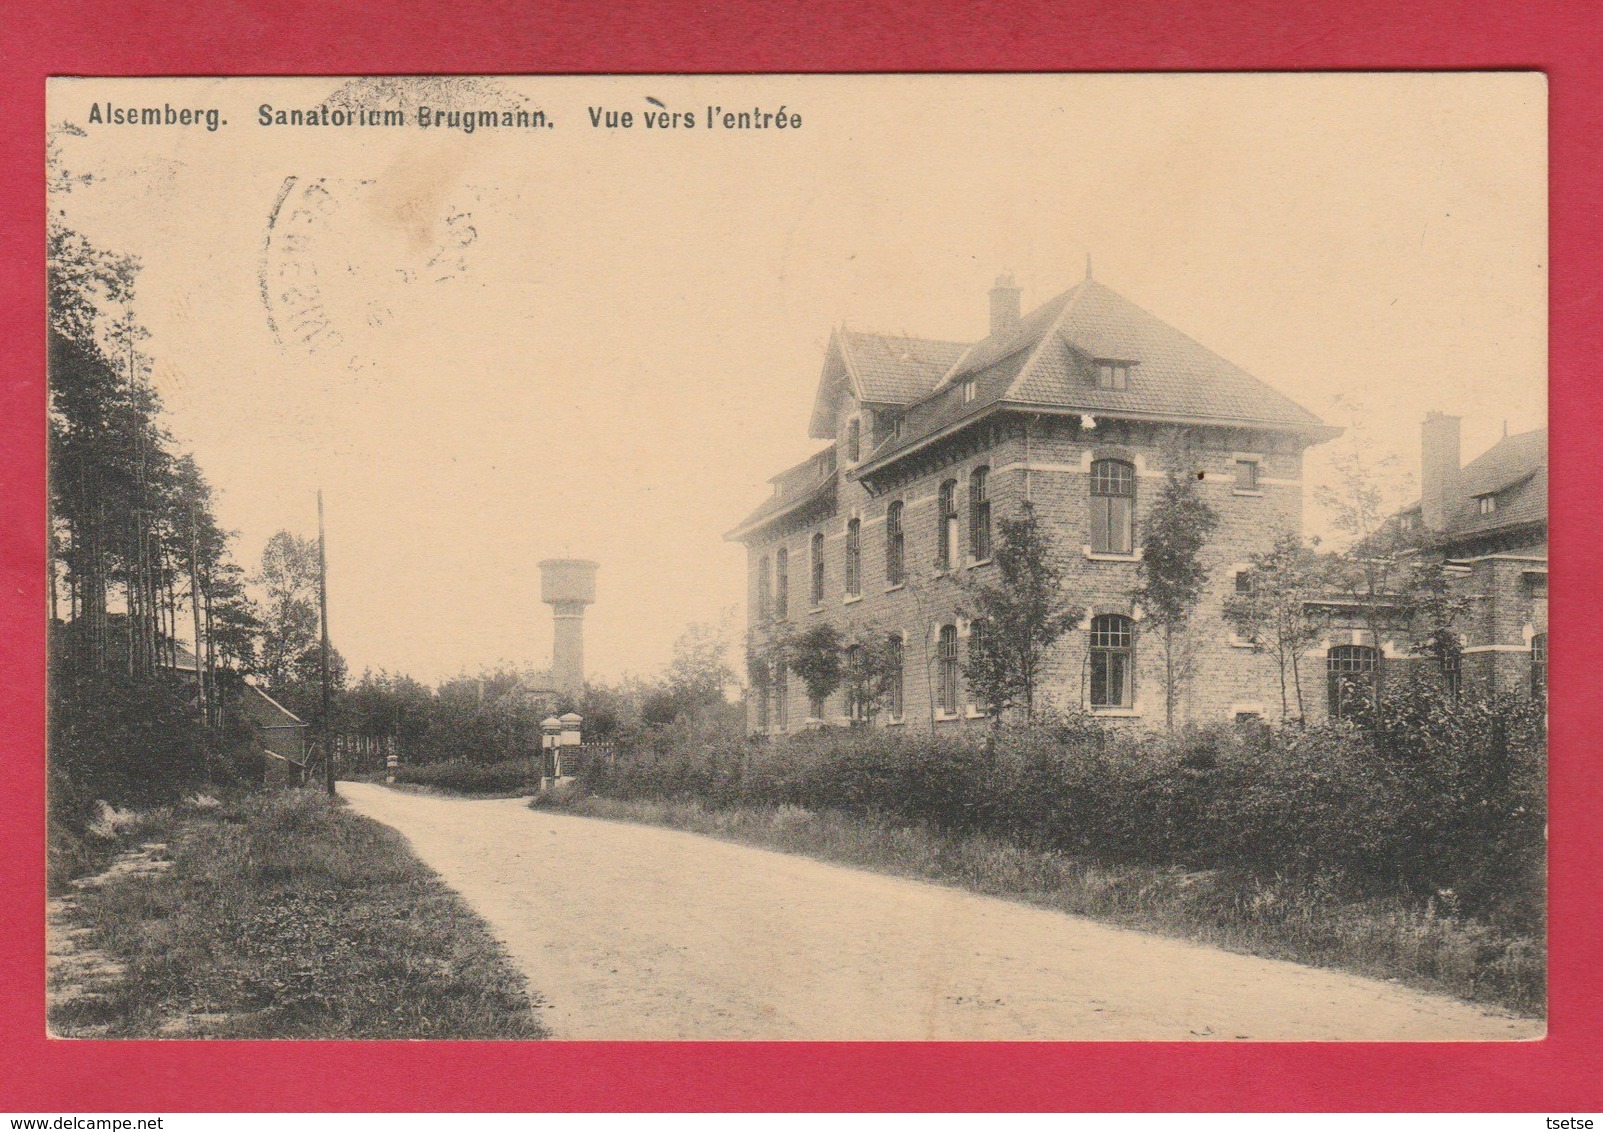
(344, 259)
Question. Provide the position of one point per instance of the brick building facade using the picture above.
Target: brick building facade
(931, 442)
(1487, 521)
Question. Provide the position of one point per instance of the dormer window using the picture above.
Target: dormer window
(1113, 375)
(970, 391)
(1485, 504)
(1407, 521)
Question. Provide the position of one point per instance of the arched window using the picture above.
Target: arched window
(854, 558)
(1539, 665)
(854, 440)
(817, 566)
(946, 652)
(782, 583)
(1112, 661)
(765, 589)
(1112, 507)
(946, 526)
(1351, 673)
(893, 648)
(979, 515)
(895, 545)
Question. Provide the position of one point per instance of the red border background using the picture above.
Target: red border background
(134, 37)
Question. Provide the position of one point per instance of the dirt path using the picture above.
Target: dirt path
(635, 932)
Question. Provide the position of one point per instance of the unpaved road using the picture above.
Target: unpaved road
(634, 932)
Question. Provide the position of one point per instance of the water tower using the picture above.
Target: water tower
(567, 585)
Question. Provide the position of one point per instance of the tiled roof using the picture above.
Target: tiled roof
(1048, 360)
(259, 706)
(1515, 471)
(796, 486)
(895, 369)
(883, 369)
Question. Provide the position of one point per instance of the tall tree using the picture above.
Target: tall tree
(1171, 575)
(1024, 613)
(290, 645)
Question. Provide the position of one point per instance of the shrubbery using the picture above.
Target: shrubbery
(512, 776)
(1438, 802)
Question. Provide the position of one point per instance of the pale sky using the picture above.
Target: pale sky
(601, 343)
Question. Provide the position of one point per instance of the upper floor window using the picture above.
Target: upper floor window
(895, 545)
(782, 583)
(946, 654)
(970, 391)
(1246, 475)
(979, 515)
(1244, 581)
(1407, 521)
(1485, 504)
(816, 591)
(854, 440)
(854, 558)
(946, 526)
(1112, 507)
(1113, 375)
(1112, 661)
(1351, 676)
(765, 589)
(1539, 665)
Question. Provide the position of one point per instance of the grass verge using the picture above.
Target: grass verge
(282, 915)
(1430, 948)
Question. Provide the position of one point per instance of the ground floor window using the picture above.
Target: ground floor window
(946, 653)
(1539, 665)
(894, 652)
(1112, 661)
(1453, 675)
(781, 694)
(1351, 677)
(764, 690)
(856, 685)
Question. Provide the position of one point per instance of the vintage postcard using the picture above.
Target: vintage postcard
(1049, 557)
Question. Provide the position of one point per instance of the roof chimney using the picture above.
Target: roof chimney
(1004, 305)
(1438, 469)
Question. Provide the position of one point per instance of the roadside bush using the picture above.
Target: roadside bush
(513, 776)
(1439, 802)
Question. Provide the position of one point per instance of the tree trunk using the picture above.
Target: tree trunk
(1296, 678)
(1168, 677)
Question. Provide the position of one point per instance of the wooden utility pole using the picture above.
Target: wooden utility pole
(322, 603)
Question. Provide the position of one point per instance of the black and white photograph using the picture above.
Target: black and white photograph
(865, 557)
